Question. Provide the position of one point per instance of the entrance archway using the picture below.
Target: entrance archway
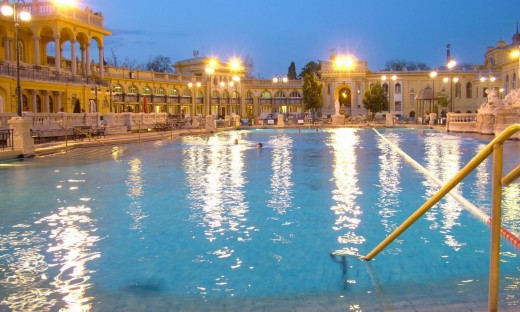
(345, 101)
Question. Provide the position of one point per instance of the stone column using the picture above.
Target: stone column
(101, 66)
(73, 57)
(22, 135)
(58, 101)
(57, 52)
(87, 60)
(36, 50)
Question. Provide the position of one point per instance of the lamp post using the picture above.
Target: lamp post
(516, 54)
(10, 9)
(433, 74)
(451, 64)
(194, 97)
(384, 78)
(94, 90)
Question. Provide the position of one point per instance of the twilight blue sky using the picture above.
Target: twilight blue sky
(275, 32)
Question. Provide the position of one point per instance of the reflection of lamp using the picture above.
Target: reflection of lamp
(9, 9)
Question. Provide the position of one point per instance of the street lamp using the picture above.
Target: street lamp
(94, 90)
(194, 97)
(516, 54)
(433, 74)
(384, 78)
(451, 64)
(10, 9)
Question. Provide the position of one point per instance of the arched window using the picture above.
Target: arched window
(186, 93)
(266, 95)
(385, 88)
(249, 95)
(458, 90)
(132, 90)
(295, 94)
(146, 90)
(469, 87)
(397, 88)
(174, 92)
(215, 94)
(160, 91)
(513, 85)
(225, 94)
(412, 98)
(279, 94)
(117, 89)
(234, 95)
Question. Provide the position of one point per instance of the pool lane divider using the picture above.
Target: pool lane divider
(463, 201)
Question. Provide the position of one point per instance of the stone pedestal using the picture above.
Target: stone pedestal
(390, 121)
(433, 117)
(211, 124)
(23, 139)
(338, 120)
(281, 121)
(486, 123)
(506, 117)
(236, 121)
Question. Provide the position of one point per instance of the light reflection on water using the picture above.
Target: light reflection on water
(135, 192)
(443, 160)
(343, 143)
(389, 186)
(46, 263)
(216, 182)
(49, 266)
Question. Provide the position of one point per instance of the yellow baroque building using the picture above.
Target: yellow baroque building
(56, 74)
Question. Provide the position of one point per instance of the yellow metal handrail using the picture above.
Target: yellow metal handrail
(495, 147)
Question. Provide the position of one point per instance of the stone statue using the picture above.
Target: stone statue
(336, 107)
(512, 99)
(493, 103)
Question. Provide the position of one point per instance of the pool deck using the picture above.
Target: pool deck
(52, 145)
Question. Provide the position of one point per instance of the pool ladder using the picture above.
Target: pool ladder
(499, 181)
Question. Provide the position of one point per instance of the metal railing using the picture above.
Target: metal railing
(6, 139)
(496, 149)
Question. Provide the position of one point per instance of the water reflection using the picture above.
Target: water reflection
(390, 163)
(281, 184)
(73, 241)
(24, 271)
(134, 184)
(44, 265)
(343, 143)
(443, 160)
(216, 182)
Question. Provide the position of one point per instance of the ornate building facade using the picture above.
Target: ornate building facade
(56, 48)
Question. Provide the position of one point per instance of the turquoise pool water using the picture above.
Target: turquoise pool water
(202, 224)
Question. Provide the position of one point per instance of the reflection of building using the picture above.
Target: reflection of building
(56, 65)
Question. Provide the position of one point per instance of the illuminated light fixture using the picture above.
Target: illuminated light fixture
(282, 79)
(235, 64)
(344, 62)
(451, 64)
(71, 3)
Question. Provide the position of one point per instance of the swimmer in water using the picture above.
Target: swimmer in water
(259, 146)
